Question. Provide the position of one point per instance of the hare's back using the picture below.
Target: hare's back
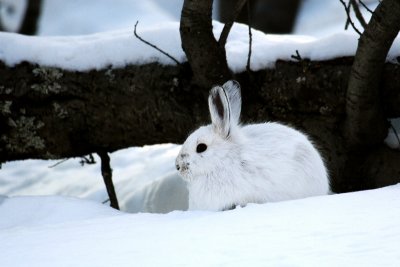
(273, 133)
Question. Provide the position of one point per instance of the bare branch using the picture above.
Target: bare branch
(365, 6)
(297, 56)
(347, 9)
(155, 47)
(227, 27)
(358, 13)
(106, 172)
(346, 26)
(250, 35)
(58, 163)
(84, 160)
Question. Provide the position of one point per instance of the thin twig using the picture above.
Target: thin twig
(297, 56)
(358, 13)
(227, 27)
(84, 160)
(58, 163)
(250, 35)
(365, 6)
(155, 47)
(348, 16)
(106, 172)
(346, 26)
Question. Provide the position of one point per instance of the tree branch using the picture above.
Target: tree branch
(347, 9)
(106, 172)
(250, 36)
(365, 6)
(358, 13)
(155, 47)
(227, 27)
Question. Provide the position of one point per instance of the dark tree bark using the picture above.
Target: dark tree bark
(50, 113)
(106, 172)
(30, 23)
(366, 124)
(270, 16)
(206, 57)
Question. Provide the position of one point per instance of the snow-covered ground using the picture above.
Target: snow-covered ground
(40, 225)
(139, 175)
(355, 229)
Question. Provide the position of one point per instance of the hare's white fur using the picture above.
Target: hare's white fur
(256, 163)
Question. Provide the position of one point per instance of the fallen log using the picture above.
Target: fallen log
(50, 113)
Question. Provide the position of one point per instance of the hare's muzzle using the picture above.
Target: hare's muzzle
(181, 163)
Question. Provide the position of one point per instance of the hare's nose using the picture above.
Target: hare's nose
(177, 167)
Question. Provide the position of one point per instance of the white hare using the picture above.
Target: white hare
(226, 164)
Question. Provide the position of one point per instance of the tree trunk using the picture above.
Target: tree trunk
(49, 113)
(206, 57)
(32, 14)
(269, 16)
(364, 105)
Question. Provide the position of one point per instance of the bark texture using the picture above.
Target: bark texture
(49, 113)
(269, 16)
(106, 172)
(206, 57)
(30, 23)
(364, 106)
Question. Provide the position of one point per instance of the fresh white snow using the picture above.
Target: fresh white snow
(355, 229)
(121, 48)
(38, 228)
(145, 179)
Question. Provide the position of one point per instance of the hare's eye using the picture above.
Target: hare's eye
(201, 147)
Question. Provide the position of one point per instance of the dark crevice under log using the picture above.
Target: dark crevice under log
(48, 113)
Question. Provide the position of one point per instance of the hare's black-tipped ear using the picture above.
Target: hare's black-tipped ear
(232, 89)
(220, 111)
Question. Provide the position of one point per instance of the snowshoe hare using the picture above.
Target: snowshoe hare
(225, 164)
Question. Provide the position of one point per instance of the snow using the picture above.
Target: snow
(121, 48)
(30, 211)
(73, 17)
(110, 43)
(42, 223)
(143, 177)
(323, 18)
(354, 229)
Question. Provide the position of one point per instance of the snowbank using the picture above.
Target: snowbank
(143, 178)
(355, 229)
(120, 48)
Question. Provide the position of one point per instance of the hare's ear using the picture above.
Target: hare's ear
(232, 89)
(218, 103)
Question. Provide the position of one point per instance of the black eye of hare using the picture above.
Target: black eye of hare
(201, 148)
